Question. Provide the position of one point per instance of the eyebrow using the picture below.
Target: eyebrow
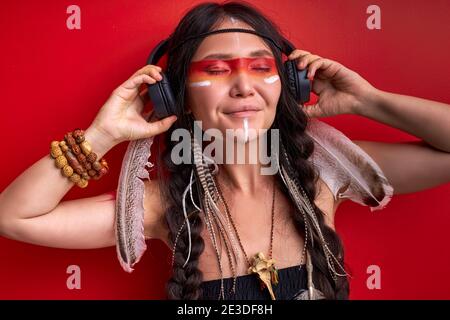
(257, 53)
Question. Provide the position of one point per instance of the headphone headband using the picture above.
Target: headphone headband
(164, 99)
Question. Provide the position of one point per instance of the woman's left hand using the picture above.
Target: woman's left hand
(340, 90)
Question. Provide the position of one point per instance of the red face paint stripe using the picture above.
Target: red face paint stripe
(220, 69)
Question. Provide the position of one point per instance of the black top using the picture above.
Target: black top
(291, 281)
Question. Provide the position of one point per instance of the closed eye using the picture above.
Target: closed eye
(262, 69)
(216, 72)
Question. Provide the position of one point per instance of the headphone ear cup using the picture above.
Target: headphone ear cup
(161, 95)
(298, 82)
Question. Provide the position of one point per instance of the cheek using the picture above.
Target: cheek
(204, 98)
(204, 101)
(271, 90)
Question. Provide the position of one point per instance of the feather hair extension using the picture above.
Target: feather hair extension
(301, 200)
(346, 168)
(311, 293)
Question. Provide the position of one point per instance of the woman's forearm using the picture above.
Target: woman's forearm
(40, 188)
(425, 119)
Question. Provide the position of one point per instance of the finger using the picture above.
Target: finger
(129, 90)
(305, 60)
(297, 53)
(160, 126)
(320, 64)
(313, 110)
(146, 69)
(135, 82)
(155, 74)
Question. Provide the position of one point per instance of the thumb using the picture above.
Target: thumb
(313, 110)
(158, 127)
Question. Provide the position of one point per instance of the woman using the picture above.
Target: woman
(284, 230)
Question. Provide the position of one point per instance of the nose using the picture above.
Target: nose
(242, 85)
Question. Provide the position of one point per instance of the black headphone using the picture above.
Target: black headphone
(161, 93)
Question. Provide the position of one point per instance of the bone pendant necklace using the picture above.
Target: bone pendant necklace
(259, 265)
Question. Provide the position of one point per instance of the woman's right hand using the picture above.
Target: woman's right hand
(120, 118)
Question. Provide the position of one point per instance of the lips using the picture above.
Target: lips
(245, 109)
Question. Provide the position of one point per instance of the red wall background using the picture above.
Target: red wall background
(54, 79)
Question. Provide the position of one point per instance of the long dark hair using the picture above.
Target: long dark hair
(291, 122)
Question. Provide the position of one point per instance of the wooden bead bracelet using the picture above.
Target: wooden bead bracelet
(77, 161)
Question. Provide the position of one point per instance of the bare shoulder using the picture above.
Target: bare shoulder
(154, 222)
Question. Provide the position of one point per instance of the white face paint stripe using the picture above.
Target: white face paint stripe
(206, 83)
(271, 79)
(245, 129)
(234, 22)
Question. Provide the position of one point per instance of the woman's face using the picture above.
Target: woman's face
(233, 76)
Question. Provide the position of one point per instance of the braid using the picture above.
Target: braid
(299, 147)
(185, 282)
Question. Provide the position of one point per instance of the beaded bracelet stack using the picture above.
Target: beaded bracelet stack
(76, 160)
